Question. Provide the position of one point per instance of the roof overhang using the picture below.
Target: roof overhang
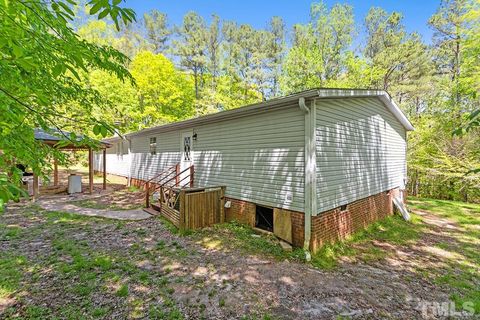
(277, 103)
(56, 138)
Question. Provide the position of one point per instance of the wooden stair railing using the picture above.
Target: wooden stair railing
(163, 174)
(167, 193)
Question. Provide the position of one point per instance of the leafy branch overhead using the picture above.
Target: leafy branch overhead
(43, 65)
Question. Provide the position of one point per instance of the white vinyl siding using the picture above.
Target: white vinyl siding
(145, 165)
(360, 150)
(259, 158)
(118, 159)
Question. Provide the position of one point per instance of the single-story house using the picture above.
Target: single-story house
(312, 167)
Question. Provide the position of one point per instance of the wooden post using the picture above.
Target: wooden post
(90, 170)
(192, 173)
(35, 187)
(182, 208)
(147, 195)
(222, 205)
(177, 177)
(105, 169)
(55, 172)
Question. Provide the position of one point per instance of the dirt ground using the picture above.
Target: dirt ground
(64, 266)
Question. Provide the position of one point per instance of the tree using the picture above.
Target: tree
(40, 75)
(191, 47)
(164, 94)
(155, 23)
(400, 62)
(276, 51)
(320, 48)
(213, 50)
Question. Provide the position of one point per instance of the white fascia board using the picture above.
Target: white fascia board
(392, 106)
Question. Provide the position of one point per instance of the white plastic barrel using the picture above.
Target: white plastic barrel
(74, 184)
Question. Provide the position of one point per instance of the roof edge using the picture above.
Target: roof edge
(277, 103)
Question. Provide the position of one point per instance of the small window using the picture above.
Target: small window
(153, 145)
(343, 208)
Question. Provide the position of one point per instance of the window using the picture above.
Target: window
(153, 145)
(343, 207)
(187, 148)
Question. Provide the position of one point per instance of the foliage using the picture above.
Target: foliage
(165, 94)
(319, 48)
(41, 72)
(203, 66)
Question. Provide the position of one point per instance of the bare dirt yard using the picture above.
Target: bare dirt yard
(56, 265)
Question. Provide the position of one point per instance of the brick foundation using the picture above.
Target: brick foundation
(334, 225)
(329, 226)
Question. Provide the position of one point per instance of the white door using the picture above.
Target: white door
(186, 147)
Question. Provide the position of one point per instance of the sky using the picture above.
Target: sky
(258, 12)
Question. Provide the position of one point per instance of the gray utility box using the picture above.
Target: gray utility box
(74, 183)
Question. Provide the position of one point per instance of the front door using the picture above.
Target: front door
(186, 147)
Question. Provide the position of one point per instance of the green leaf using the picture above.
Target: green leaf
(17, 50)
(474, 114)
(96, 8)
(96, 129)
(74, 72)
(116, 2)
(66, 8)
(57, 70)
(104, 13)
(104, 131)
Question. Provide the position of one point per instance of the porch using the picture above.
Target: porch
(172, 195)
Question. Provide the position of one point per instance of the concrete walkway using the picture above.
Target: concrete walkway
(55, 205)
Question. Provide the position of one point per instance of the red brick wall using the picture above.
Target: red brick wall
(298, 224)
(241, 211)
(329, 226)
(334, 225)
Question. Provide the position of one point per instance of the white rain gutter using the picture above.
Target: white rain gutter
(310, 174)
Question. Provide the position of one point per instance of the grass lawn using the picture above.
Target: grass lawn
(447, 232)
(57, 265)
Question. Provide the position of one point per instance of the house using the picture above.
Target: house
(312, 167)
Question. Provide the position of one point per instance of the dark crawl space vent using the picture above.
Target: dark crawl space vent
(264, 218)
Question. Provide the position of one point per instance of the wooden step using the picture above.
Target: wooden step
(151, 211)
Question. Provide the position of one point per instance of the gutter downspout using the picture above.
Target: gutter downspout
(309, 129)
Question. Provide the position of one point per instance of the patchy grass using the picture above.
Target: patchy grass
(462, 248)
(122, 291)
(364, 245)
(232, 235)
(94, 282)
(109, 269)
(456, 224)
(12, 268)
